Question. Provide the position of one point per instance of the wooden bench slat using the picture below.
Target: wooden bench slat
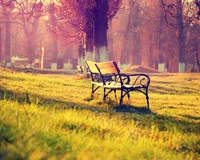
(91, 66)
(108, 71)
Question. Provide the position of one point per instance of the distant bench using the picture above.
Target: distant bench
(17, 66)
(108, 76)
(82, 71)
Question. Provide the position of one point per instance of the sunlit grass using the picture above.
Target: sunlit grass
(53, 117)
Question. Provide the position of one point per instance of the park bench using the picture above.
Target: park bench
(82, 71)
(96, 78)
(108, 76)
(18, 66)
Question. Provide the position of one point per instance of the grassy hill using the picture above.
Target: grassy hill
(49, 116)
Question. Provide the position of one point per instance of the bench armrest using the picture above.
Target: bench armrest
(125, 78)
(142, 80)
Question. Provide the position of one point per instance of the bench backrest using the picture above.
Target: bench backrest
(106, 68)
(94, 73)
(91, 67)
(109, 71)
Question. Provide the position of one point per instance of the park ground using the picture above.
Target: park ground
(51, 116)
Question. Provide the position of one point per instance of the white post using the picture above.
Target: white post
(161, 67)
(181, 67)
(53, 65)
(8, 64)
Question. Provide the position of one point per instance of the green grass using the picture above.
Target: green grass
(53, 117)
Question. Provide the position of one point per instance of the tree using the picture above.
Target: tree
(26, 14)
(192, 48)
(54, 39)
(7, 8)
(1, 56)
(29, 14)
(181, 37)
(89, 19)
(131, 40)
(183, 13)
(197, 3)
(100, 30)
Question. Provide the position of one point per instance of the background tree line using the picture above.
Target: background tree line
(161, 34)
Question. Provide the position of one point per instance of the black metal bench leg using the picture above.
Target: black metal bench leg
(128, 94)
(92, 95)
(104, 94)
(147, 98)
(121, 97)
(115, 94)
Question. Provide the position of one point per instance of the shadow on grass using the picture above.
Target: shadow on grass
(142, 115)
(173, 90)
(191, 117)
(132, 109)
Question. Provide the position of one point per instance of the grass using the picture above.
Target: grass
(52, 117)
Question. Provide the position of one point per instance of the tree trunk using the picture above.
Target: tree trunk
(33, 37)
(154, 48)
(54, 41)
(131, 52)
(197, 50)
(198, 53)
(161, 65)
(54, 54)
(7, 43)
(128, 48)
(198, 62)
(136, 51)
(110, 41)
(89, 39)
(100, 30)
(1, 56)
(90, 44)
(81, 54)
(31, 52)
(181, 38)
